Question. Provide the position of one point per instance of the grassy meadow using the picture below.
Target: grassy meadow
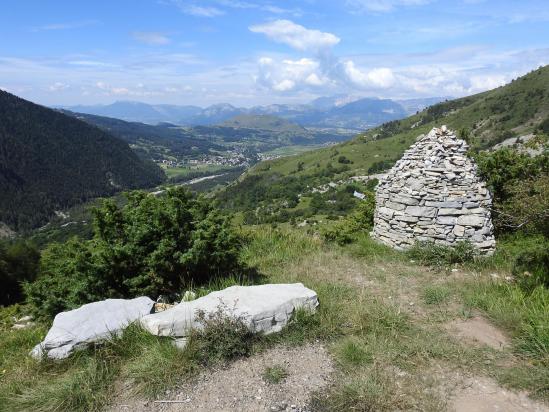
(383, 316)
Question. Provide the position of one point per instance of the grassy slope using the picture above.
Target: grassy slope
(517, 108)
(265, 122)
(382, 317)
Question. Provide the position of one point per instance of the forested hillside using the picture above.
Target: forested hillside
(147, 140)
(49, 161)
(484, 120)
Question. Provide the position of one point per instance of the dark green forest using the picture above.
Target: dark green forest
(50, 161)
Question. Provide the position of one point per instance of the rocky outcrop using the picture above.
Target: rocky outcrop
(433, 193)
(90, 323)
(264, 308)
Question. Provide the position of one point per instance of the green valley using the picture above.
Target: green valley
(484, 120)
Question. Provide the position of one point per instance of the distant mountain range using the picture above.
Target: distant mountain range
(518, 109)
(339, 111)
(50, 161)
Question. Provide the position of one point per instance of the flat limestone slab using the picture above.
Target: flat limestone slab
(90, 323)
(264, 308)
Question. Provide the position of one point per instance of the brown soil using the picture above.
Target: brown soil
(480, 394)
(478, 330)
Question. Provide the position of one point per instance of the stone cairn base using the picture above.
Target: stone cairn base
(433, 193)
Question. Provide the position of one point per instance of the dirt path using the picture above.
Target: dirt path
(480, 394)
(242, 387)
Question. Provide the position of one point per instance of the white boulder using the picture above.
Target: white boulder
(264, 308)
(90, 323)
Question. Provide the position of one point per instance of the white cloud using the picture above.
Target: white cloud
(287, 74)
(296, 36)
(382, 6)
(237, 4)
(57, 87)
(376, 78)
(194, 9)
(139, 90)
(151, 38)
(90, 63)
(484, 82)
(314, 80)
(284, 85)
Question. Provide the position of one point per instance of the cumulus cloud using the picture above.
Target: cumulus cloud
(322, 70)
(382, 6)
(151, 38)
(287, 74)
(375, 78)
(296, 36)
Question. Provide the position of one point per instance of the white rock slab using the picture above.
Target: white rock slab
(264, 308)
(90, 323)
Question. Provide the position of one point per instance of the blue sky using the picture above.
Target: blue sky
(249, 52)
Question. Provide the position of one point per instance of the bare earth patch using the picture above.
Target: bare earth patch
(484, 395)
(478, 330)
(241, 385)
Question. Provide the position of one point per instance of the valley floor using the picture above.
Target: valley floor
(389, 334)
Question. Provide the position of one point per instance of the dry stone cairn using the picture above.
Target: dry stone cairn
(433, 193)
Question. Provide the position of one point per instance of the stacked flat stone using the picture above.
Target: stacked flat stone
(433, 193)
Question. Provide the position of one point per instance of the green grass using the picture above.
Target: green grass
(291, 150)
(436, 294)
(275, 374)
(522, 313)
(172, 172)
(385, 354)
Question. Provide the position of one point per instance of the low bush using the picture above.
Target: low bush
(520, 188)
(151, 246)
(531, 267)
(18, 263)
(222, 336)
(362, 219)
(431, 254)
(275, 374)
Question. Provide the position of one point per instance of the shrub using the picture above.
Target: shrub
(531, 267)
(275, 374)
(430, 254)
(544, 126)
(520, 188)
(221, 336)
(150, 246)
(381, 166)
(362, 219)
(18, 263)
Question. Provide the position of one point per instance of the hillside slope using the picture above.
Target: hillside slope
(484, 120)
(263, 122)
(147, 140)
(49, 161)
